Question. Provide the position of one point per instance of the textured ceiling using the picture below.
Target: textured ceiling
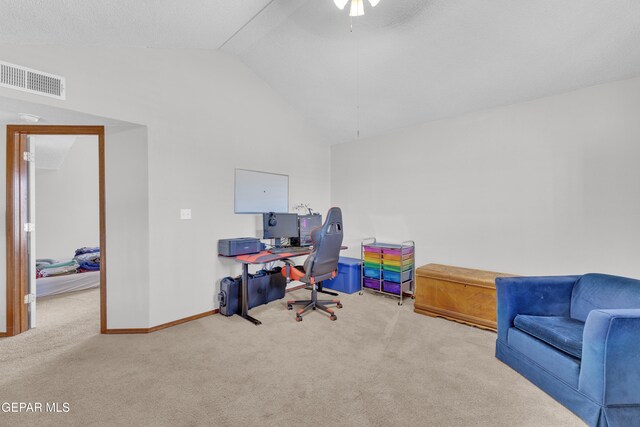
(202, 24)
(406, 61)
(421, 60)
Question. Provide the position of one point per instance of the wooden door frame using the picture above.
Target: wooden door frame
(17, 261)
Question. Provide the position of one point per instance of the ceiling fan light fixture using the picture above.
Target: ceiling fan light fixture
(357, 8)
(340, 4)
(29, 118)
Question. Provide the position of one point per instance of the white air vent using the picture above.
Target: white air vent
(32, 81)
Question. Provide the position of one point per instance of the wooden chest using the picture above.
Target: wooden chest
(461, 294)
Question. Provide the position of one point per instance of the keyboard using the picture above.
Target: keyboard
(290, 249)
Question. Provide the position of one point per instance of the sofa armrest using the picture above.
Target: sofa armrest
(610, 369)
(537, 296)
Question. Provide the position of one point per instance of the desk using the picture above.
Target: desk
(259, 258)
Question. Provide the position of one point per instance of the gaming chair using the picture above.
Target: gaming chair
(322, 264)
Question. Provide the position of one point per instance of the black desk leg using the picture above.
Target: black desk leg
(245, 296)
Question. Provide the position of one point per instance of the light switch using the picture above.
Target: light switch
(185, 213)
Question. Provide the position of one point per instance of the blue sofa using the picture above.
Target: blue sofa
(578, 339)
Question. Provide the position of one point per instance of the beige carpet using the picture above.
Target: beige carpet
(377, 365)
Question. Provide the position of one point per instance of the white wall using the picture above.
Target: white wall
(67, 202)
(127, 227)
(550, 186)
(205, 114)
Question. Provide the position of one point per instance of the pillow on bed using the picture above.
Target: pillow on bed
(90, 257)
(87, 250)
(44, 261)
(60, 268)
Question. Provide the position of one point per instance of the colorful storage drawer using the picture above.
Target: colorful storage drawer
(391, 287)
(393, 257)
(394, 263)
(396, 250)
(372, 272)
(373, 249)
(396, 277)
(397, 269)
(372, 260)
(371, 283)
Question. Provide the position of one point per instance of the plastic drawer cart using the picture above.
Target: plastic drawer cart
(388, 268)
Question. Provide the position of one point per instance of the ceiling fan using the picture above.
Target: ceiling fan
(357, 6)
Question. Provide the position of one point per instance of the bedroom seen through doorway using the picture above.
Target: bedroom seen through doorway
(64, 255)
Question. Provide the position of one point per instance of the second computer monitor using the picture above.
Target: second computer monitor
(306, 224)
(279, 225)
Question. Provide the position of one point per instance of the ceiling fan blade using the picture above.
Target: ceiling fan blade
(341, 3)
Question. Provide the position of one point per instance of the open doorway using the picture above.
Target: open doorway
(64, 204)
(55, 178)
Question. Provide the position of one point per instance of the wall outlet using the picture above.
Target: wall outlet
(185, 213)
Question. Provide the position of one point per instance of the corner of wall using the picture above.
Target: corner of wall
(127, 204)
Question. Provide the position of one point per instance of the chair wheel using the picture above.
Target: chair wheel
(333, 317)
(298, 318)
(314, 308)
(339, 305)
(399, 302)
(360, 292)
(289, 307)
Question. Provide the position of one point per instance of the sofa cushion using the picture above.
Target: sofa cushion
(563, 333)
(556, 362)
(602, 291)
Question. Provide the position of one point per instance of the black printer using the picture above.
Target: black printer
(239, 246)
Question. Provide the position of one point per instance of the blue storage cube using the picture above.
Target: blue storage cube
(348, 279)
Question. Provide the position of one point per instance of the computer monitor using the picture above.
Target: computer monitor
(306, 223)
(279, 225)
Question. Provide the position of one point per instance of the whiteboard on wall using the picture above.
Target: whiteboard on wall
(257, 192)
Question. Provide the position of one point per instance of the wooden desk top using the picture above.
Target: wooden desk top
(266, 256)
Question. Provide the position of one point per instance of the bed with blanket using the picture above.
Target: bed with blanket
(54, 277)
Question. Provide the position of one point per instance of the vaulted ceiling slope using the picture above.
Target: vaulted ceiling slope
(405, 62)
(201, 24)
